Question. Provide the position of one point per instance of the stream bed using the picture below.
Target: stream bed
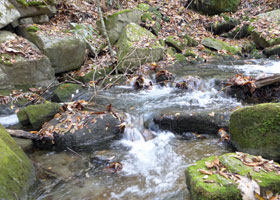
(152, 169)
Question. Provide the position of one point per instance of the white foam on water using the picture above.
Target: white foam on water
(9, 120)
(155, 162)
(271, 67)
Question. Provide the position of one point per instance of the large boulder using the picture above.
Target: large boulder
(137, 46)
(219, 45)
(16, 170)
(65, 51)
(116, 22)
(256, 130)
(22, 65)
(267, 34)
(213, 7)
(80, 130)
(8, 13)
(225, 176)
(186, 121)
(37, 115)
(34, 8)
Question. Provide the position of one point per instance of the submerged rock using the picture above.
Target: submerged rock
(8, 13)
(205, 122)
(65, 51)
(137, 46)
(22, 69)
(222, 177)
(37, 115)
(16, 170)
(256, 130)
(212, 7)
(116, 22)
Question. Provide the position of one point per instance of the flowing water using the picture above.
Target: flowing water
(152, 169)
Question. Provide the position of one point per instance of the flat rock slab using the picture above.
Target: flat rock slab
(203, 122)
(81, 130)
(18, 68)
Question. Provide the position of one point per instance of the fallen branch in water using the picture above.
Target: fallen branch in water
(23, 134)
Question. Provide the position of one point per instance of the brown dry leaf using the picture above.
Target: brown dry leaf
(209, 181)
(209, 165)
(203, 171)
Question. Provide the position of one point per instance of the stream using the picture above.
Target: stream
(152, 169)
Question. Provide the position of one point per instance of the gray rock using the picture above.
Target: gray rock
(274, 50)
(8, 13)
(66, 52)
(203, 122)
(272, 20)
(219, 45)
(116, 22)
(41, 19)
(27, 20)
(93, 134)
(67, 92)
(17, 71)
(212, 7)
(26, 8)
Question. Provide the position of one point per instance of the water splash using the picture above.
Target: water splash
(154, 162)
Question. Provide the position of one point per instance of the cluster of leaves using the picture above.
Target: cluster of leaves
(247, 185)
(33, 96)
(240, 80)
(18, 47)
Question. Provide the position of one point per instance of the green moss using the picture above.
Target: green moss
(32, 29)
(64, 92)
(177, 44)
(180, 58)
(189, 53)
(220, 45)
(9, 59)
(256, 129)
(36, 115)
(222, 189)
(171, 51)
(36, 3)
(268, 180)
(147, 16)
(15, 168)
(143, 6)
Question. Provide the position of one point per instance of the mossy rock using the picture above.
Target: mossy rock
(190, 53)
(37, 115)
(256, 130)
(271, 51)
(180, 58)
(95, 74)
(213, 7)
(143, 6)
(219, 45)
(65, 92)
(137, 46)
(222, 188)
(16, 170)
(176, 43)
(171, 51)
(116, 22)
(191, 42)
(147, 16)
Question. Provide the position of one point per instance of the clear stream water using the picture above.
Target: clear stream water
(152, 169)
